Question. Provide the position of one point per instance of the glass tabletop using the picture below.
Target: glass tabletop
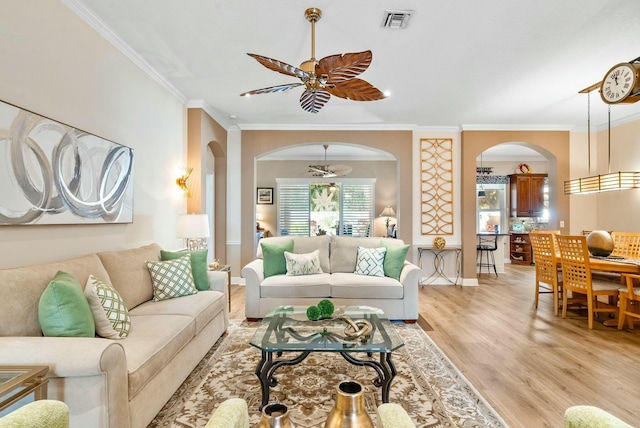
(287, 329)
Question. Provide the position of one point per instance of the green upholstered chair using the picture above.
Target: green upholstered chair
(232, 413)
(38, 414)
(591, 417)
(392, 415)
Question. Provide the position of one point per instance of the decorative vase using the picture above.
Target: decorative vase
(275, 415)
(349, 410)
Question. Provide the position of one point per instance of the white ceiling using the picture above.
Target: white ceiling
(490, 64)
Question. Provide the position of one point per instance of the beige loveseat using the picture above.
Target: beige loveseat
(113, 383)
(338, 282)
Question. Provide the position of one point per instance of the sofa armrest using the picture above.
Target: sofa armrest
(253, 274)
(410, 278)
(92, 370)
(218, 280)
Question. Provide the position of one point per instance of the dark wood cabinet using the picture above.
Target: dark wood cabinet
(520, 249)
(527, 195)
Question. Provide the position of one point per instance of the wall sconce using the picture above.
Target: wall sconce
(194, 228)
(181, 181)
(387, 212)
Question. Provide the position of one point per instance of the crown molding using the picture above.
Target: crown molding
(215, 115)
(101, 28)
(438, 129)
(324, 127)
(516, 127)
(617, 122)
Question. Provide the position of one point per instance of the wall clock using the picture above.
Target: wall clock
(621, 84)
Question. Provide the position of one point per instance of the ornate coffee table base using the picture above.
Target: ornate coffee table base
(267, 367)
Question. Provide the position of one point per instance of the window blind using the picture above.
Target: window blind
(357, 209)
(293, 209)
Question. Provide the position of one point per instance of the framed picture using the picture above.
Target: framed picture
(265, 195)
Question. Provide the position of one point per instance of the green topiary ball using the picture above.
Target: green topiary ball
(326, 308)
(313, 313)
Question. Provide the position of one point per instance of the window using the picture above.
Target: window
(310, 207)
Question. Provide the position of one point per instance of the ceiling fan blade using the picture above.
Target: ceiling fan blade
(357, 90)
(318, 168)
(339, 170)
(313, 101)
(280, 67)
(271, 89)
(342, 67)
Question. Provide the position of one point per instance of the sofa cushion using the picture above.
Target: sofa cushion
(172, 278)
(351, 286)
(303, 264)
(284, 286)
(203, 307)
(344, 252)
(302, 245)
(22, 287)
(198, 265)
(370, 261)
(394, 259)
(153, 342)
(273, 253)
(109, 311)
(63, 310)
(129, 274)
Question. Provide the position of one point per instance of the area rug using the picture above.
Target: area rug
(429, 387)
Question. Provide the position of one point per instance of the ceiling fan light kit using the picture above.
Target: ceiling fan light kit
(332, 75)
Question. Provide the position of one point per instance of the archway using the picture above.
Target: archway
(553, 145)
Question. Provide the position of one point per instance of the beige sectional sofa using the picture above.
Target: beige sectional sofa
(113, 383)
(338, 282)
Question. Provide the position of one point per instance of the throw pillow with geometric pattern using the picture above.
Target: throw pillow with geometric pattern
(370, 261)
(172, 278)
(109, 312)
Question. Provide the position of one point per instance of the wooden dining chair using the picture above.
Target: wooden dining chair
(576, 277)
(629, 301)
(548, 277)
(626, 244)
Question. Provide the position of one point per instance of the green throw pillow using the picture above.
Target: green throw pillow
(273, 256)
(394, 259)
(63, 309)
(198, 266)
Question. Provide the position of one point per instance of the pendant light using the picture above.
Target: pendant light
(620, 180)
(481, 192)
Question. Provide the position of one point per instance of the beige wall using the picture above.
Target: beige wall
(207, 137)
(257, 143)
(56, 66)
(552, 144)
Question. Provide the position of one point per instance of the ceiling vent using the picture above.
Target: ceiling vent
(396, 18)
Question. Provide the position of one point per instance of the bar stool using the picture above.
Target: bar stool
(487, 244)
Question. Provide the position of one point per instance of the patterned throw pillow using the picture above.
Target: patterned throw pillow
(109, 312)
(172, 278)
(370, 261)
(303, 264)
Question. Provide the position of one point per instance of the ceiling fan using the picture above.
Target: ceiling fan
(328, 171)
(332, 75)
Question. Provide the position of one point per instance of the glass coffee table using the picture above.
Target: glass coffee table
(287, 330)
(17, 382)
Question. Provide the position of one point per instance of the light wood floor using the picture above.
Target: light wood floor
(529, 365)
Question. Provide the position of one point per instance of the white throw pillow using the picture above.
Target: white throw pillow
(303, 264)
(172, 278)
(370, 261)
(110, 314)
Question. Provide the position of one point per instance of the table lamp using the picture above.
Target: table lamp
(194, 228)
(387, 212)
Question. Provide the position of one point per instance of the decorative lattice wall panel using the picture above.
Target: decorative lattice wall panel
(436, 186)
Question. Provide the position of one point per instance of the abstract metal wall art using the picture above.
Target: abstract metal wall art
(436, 186)
(51, 173)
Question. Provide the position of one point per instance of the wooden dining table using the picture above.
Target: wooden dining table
(613, 266)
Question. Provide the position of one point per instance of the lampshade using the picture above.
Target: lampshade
(259, 217)
(193, 226)
(387, 212)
